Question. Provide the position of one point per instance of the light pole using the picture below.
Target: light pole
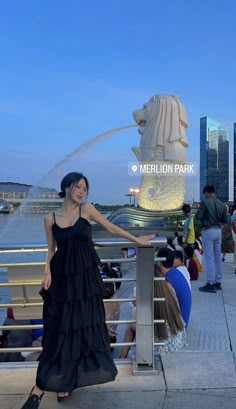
(134, 191)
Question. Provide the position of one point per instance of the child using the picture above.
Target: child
(191, 263)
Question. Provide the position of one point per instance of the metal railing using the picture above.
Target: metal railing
(144, 296)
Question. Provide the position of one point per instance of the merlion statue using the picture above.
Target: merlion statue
(162, 122)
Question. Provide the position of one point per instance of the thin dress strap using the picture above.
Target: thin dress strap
(80, 210)
(54, 217)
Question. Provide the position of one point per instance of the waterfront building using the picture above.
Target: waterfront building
(234, 162)
(214, 157)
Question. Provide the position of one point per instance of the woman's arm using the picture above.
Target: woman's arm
(46, 281)
(94, 215)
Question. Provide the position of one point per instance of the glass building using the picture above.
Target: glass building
(214, 157)
(234, 162)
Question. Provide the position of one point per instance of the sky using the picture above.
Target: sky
(71, 70)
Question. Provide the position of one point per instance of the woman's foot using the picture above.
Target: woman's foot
(34, 398)
(62, 395)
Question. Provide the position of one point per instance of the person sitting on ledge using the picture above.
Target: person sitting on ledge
(172, 332)
(177, 281)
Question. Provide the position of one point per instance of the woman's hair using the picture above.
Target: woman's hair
(70, 180)
(108, 288)
(167, 310)
(179, 254)
(169, 257)
(189, 251)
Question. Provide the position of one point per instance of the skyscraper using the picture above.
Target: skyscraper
(234, 162)
(214, 157)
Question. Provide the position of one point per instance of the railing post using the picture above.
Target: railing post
(144, 309)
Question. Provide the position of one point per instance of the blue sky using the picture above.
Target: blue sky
(71, 70)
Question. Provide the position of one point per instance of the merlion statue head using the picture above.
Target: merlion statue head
(162, 122)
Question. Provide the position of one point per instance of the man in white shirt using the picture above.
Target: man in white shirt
(179, 264)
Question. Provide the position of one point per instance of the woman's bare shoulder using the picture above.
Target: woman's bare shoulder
(49, 218)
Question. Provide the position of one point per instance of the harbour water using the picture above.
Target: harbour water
(19, 228)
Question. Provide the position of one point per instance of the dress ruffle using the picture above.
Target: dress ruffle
(76, 350)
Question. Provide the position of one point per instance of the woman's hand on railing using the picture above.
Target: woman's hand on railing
(46, 280)
(145, 240)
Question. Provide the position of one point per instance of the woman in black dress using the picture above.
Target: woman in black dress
(76, 349)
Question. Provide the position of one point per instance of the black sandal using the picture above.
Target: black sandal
(33, 400)
(61, 398)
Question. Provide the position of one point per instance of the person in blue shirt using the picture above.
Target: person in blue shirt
(36, 332)
(177, 281)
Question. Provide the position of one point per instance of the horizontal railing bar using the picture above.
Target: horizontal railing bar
(122, 344)
(39, 349)
(106, 280)
(37, 282)
(36, 304)
(118, 260)
(39, 326)
(33, 304)
(109, 242)
(21, 284)
(19, 327)
(41, 263)
(19, 349)
(118, 300)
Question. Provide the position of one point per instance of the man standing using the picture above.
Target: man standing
(189, 232)
(211, 213)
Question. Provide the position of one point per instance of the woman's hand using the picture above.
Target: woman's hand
(145, 240)
(46, 280)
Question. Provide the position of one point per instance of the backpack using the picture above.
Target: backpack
(234, 226)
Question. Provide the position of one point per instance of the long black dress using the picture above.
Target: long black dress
(76, 349)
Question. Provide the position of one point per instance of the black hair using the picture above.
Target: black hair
(188, 251)
(169, 255)
(186, 208)
(208, 189)
(180, 240)
(176, 234)
(179, 254)
(169, 241)
(70, 180)
(112, 271)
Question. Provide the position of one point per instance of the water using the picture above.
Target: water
(27, 229)
(59, 167)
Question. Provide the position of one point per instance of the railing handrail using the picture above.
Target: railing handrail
(110, 242)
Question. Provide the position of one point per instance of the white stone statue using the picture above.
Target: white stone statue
(162, 122)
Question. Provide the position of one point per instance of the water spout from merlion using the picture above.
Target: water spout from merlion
(57, 170)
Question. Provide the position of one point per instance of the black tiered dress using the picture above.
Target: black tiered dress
(76, 349)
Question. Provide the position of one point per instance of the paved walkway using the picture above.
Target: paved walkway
(200, 376)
